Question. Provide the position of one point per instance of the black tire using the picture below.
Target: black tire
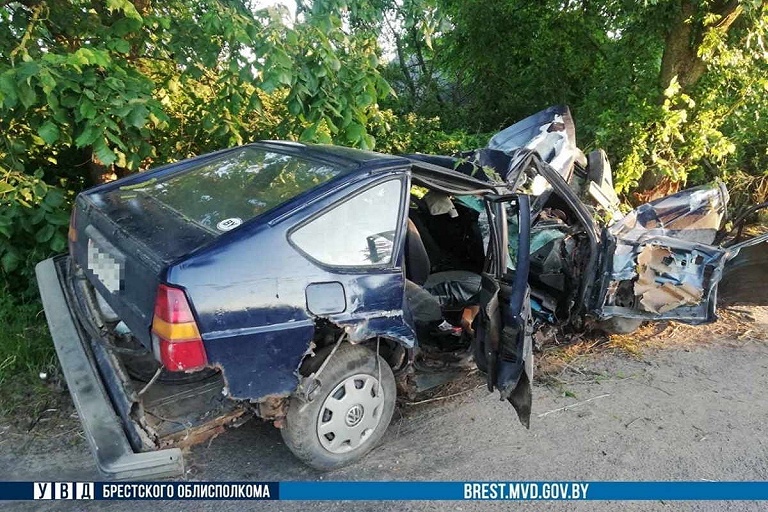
(618, 325)
(300, 432)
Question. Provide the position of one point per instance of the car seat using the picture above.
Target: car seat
(452, 289)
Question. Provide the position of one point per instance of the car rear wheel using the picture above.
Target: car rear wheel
(348, 412)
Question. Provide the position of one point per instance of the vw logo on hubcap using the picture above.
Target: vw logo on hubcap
(354, 415)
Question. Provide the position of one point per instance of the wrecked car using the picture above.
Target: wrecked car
(311, 285)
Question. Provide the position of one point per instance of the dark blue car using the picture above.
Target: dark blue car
(308, 285)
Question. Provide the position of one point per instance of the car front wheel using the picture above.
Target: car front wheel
(349, 411)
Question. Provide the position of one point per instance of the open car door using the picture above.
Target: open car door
(504, 347)
(660, 259)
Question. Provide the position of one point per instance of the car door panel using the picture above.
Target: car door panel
(505, 322)
(661, 261)
(658, 277)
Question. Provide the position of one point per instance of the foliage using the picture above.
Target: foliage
(94, 90)
(672, 89)
(33, 220)
(411, 133)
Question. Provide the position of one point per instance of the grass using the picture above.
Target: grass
(735, 327)
(26, 351)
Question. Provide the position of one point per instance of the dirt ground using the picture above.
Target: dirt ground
(670, 402)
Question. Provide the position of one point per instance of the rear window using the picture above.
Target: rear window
(223, 193)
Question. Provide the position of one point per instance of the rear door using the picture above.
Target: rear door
(505, 348)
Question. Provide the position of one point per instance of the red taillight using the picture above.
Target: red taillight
(180, 345)
(171, 305)
(184, 356)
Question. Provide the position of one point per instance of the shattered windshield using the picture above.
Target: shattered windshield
(222, 193)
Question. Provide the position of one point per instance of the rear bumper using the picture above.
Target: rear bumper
(104, 430)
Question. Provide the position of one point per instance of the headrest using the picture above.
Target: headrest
(439, 204)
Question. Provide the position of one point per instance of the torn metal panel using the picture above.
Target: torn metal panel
(624, 266)
(664, 278)
(667, 280)
(663, 264)
(694, 215)
(207, 431)
(389, 325)
(550, 133)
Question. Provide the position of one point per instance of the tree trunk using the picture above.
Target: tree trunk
(684, 39)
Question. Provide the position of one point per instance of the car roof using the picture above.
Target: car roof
(360, 161)
(348, 157)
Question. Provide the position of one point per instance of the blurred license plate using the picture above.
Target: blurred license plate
(105, 265)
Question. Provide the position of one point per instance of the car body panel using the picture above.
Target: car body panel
(663, 264)
(550, 133)
(145, 238)
(248, 290)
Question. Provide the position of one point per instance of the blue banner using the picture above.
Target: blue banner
(453, 491)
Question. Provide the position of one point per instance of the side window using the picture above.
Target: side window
(357, 232)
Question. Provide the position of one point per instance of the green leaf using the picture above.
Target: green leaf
(38, 216)
(280, 58)
(45, 233)
(125, 26)
(364, 99)
(88, 136)
(268, 86)
(121, 46)
(105, 155)
(138, 116)
(308, 135)
(354, 132)
(54, 198)
(294, 107)
(27, 95)
(124, 5)
(5, 187)
(87, 110)
(47, 81)
(8, 90)
(58, 243)
(10, 261)
(57, 219)
(49, 132)
(285, 77)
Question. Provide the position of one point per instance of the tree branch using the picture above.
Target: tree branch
(22, 47)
